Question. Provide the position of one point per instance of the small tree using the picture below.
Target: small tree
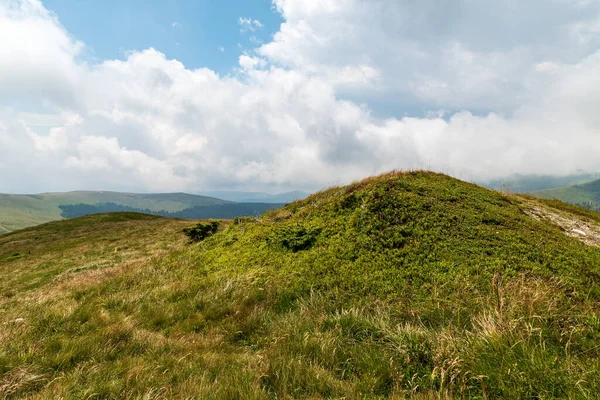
(202, 230)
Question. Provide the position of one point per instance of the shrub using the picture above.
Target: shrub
(202, 230)
(294, 238)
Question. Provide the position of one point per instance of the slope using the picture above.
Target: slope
(587, 194)
(404, 285)
(532, 183)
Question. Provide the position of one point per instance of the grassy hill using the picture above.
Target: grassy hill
(587, 194)
(404, 285)
(20, 211)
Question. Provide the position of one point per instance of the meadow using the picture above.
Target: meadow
(405, 285)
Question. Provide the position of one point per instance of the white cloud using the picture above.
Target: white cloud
(176, 25)
(221, 49)
(249, 24)
(548, 67)
(460, 54)
(302, 110)
(36, 55)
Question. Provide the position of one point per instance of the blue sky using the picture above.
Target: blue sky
(191, 31)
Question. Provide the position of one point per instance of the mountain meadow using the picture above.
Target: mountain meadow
(405, 285)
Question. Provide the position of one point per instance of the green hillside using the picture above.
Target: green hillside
(407, 285)
(586, 195)
(533, 183)
(20, 211)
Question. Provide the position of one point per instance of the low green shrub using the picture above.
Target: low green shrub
(202, 230)
(294, 238)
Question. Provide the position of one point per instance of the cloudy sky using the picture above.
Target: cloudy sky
(177, 95)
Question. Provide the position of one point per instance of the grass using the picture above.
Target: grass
(404, 285)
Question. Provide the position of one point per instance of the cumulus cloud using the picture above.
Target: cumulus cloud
(301, 111)
(458, 54)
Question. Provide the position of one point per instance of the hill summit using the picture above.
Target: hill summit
(409, 284)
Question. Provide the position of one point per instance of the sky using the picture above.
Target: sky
(178, 95)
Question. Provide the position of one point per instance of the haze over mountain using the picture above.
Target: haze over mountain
(257, 197)
(533, 183)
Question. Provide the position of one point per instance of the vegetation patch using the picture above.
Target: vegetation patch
(202, 230)
(294, 238)
(14, 256)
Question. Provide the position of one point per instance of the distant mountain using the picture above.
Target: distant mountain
(226, 210)
(532, 183)
(257, 197)
(586, 195)
(21, 211)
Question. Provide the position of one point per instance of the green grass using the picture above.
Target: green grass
(405, 285)
(21, 211)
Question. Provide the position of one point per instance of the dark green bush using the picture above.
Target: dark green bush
(294, 238)
(202, 230)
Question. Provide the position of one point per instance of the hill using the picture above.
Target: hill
(20, 211)
(404, 285)
(533, 183)
(257, 197)
(586, 195)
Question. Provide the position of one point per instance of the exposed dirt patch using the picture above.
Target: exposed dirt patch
(586, 231)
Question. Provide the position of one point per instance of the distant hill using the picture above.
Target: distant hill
(257, 197)
(20, 211)
(401, 286)
(532, 183)
(586, 195)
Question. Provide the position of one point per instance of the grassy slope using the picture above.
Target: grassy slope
(588, 192)
(411, 285)
(532, 183)
(20, 211)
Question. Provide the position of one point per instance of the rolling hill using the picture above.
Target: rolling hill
(533, 183)
(586, 195)
(20, 211)
(402, 285)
